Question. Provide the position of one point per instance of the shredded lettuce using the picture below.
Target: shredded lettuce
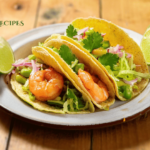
(131, 64)
(75, 103)
(74, 63)
(70, 102)
(111, 73)
(132, 72)
(124, 63)
(40, 44)
(65, 106)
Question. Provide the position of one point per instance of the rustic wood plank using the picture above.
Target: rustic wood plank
(26, 136)
(58, 11)
(22, 10)
(5, 122)
(13, 11)
(134, 15)
(134, 135)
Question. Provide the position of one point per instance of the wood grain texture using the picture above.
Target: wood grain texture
(134, 135)
(134, 15)
(31, 137)
(14, 11)
(58, 11)
(5, 122)
(26, 136)
(22, 10)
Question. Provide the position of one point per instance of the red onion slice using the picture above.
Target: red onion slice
(103, 34)
(23, 64)
(130, 82)
(35, 68)
(128, 55)
(78, 37)
(82, 30)
(138, 65)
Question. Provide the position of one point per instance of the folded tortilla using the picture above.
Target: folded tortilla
(85, 59)
(115, 35)
(51, 61)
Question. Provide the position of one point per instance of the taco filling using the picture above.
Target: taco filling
(44, 88)
(116, 61)
(83, 71)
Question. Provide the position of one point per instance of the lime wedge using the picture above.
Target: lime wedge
(145, 45)
(6, 57)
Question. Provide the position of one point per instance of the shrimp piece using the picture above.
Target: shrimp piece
(46, 84)
(95, 79)
(97, 90)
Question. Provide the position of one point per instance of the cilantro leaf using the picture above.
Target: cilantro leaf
(71, 31)
(93, 41)
(109, 59)
(66, 54)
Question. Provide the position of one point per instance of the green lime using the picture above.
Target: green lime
(145, 45)
(6, 57)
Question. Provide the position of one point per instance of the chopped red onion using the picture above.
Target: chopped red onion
(103, 34)
(22, 62)
(13, 71)
(130, 82)
(82, 30)
(120, 54)
(128, 55)
(35, 68)
(108, 50)
(116, 50)
(26, 59)
(138, 65)
(78, 37)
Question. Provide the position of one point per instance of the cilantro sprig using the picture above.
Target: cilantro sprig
(71, 31)
(109, 59)
(67, 54)
(93, 41)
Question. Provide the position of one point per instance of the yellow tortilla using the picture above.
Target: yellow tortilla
(85, 59)
(17, 87)
(42, 53)
(115, 35)
(47, 58)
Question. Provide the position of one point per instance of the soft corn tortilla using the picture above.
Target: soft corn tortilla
(85, 59)
(115, 35)
(43, 54)
(17, 87)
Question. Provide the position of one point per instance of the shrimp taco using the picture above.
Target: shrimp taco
(47, 87)
(83, 71)
(113, 51)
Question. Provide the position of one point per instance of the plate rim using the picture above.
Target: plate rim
(70, 125)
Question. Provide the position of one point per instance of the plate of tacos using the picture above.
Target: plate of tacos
(87, 73)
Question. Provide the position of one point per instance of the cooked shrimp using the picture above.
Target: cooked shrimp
(97, 89)
(46, 84)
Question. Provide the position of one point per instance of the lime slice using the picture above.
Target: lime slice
(145, 45)
(6, 57)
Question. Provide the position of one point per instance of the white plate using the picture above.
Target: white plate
(21, 46)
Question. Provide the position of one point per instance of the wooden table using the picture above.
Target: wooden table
(19, 135)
